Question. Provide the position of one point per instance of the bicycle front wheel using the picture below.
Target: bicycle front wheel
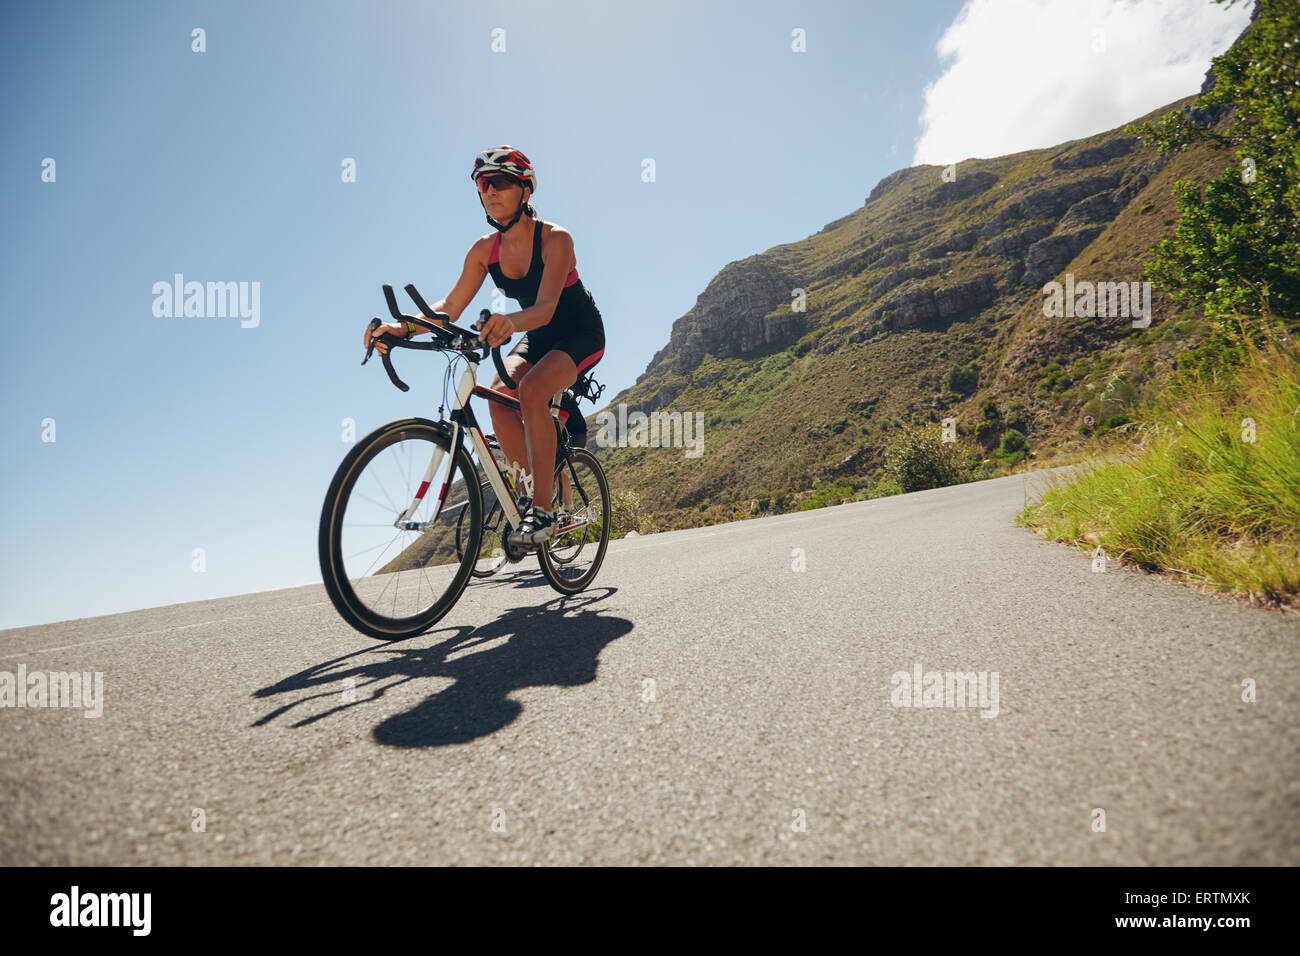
(572, 557)
(391, 568)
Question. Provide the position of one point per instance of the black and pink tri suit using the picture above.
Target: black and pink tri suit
(576, 327)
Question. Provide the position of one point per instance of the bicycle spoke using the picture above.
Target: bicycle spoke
(358, 554)
(385, 507)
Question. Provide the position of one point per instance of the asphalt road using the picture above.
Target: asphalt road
(703, 703)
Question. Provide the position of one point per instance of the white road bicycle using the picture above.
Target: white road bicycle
(394, 558)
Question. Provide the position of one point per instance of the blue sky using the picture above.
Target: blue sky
(180, 433)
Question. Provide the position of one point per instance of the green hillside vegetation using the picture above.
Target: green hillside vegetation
(786, 422)
(1209, 490)
(926, 304)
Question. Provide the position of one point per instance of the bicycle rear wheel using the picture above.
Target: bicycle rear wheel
(392, 579)
(572, 557)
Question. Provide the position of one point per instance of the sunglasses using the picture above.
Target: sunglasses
(498, 181)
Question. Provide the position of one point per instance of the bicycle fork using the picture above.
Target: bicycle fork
(403, 522)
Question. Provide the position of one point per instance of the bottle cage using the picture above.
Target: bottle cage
(588, 388)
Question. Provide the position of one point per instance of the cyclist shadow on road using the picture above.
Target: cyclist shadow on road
(529, 577)
(556, 643)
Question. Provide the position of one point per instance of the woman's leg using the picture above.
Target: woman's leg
(506, 423)
(552, 373)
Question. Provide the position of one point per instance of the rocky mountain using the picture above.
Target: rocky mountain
(925, 302)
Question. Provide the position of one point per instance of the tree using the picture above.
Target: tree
(1236, 248)
(1013, 441)
(964, 379)
(919, 459)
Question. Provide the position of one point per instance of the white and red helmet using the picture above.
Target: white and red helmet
(505, 159)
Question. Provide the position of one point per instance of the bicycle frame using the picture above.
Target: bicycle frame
(463, 422)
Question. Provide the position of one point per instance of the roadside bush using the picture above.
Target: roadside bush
(627, 513)
(884, 488)
(920, 459)
(824, 497)
(963, 379)
(1012, 442)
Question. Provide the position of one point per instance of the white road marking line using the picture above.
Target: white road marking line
(164, 630)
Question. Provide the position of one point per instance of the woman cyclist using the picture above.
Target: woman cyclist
(563, 330)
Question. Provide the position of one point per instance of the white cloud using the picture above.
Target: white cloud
(1023, 74)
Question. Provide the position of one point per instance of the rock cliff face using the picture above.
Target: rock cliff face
(734, 316)
(925, 247)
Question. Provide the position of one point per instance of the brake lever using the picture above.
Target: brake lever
(374, 324)
(388, 339)
(506, 380)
